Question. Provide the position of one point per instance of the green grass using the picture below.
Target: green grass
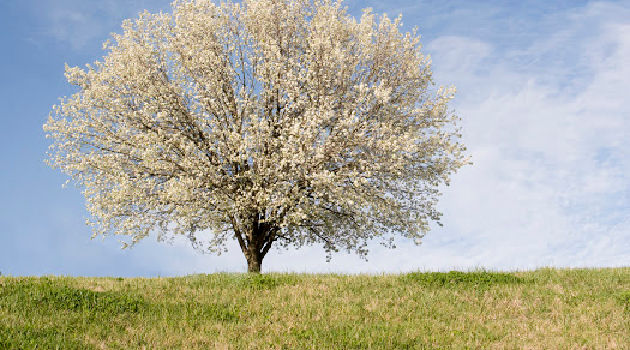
(542, 309)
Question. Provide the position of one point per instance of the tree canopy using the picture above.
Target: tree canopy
(272, 122)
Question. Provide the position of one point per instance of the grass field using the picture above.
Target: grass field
(542, 309)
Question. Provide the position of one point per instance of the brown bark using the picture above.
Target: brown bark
(254, 262)
(255, 243)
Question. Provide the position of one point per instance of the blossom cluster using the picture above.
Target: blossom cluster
(267, 121)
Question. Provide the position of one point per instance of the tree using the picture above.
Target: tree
(280, 122)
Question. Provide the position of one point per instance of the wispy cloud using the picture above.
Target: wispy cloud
(86, 24)
(549, 141)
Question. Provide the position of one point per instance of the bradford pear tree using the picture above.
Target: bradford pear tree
(271, 122)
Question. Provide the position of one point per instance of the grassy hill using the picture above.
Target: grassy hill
(542, 309)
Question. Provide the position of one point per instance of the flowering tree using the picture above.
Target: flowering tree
(280, 122)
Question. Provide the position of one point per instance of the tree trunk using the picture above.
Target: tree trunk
(254, 262)
(255, 242)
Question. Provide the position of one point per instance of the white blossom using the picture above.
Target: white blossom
(266, 121)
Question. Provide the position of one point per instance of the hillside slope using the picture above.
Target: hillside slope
(542, 309)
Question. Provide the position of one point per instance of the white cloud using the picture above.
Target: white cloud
(539, 191)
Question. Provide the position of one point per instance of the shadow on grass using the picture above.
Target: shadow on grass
(27, 337)
(28, 296)
(252, 281)
(462, 279)
(267, 281)
(624, 299)
(193, 312)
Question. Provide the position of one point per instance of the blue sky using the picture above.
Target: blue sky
(542, 93)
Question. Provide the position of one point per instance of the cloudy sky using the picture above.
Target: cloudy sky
(544, 97)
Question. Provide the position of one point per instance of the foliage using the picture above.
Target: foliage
(263, 121)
